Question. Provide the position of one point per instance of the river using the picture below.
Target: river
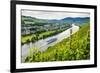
(43, 44)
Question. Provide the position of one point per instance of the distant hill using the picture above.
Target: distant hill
(33, 20)
(79, 20)
(71, 20)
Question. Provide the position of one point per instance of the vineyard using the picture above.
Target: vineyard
(76, 47)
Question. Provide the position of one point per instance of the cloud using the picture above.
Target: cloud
(53, 14)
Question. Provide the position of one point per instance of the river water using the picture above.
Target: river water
(43, 43)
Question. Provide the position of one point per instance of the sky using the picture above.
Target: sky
(53, 14)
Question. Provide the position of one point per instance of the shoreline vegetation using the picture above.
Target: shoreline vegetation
(76, 47)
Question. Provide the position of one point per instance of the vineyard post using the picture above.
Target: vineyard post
(70, 35)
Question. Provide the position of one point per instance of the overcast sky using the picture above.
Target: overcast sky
(53, 14)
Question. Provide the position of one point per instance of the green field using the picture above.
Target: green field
(76, 47)
(35, 37)
(38, 36)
